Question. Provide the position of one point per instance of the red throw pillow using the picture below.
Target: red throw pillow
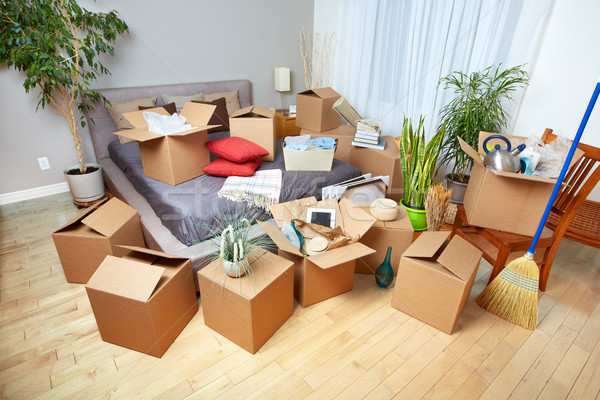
(236, 149)
(222, 167)
(170, 108)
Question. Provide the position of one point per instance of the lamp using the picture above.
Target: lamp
(282, 81)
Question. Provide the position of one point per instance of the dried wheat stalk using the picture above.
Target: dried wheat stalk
(436, 206)
(317, 56)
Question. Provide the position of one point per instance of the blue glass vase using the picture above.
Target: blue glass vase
(384, 274)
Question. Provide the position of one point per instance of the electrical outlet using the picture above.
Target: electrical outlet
(44, 163)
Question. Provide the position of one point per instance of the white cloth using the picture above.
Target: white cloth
(261, 189)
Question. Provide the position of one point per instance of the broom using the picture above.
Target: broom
(513, 294)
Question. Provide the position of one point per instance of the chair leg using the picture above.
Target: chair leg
(547, 265)
(500, 263)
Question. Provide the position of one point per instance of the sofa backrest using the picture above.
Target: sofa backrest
(103, 126)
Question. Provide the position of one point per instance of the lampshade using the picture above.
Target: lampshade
(282, 79)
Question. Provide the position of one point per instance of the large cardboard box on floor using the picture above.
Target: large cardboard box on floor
(84, 242)
(435, 278)
(397, 233)
(343, 134)
(325, 275)
(314, 109)
(256, 124)
(177, 157)
(143, 300)
(250, 309)
(505, 201)
(381, 162)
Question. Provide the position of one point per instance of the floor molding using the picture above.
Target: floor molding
(34, 193)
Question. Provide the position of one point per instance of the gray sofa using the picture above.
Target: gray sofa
(157, 236)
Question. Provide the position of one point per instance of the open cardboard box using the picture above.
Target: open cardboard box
(322, 276)
(256, 124)
(435, 278)
(177, 157)
(314, 109)
(397, 233)
(250, 309)
(84, 242)
(143, 300)
(505, 201)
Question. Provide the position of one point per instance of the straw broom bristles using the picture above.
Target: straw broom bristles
(436, 206)
(513, 294)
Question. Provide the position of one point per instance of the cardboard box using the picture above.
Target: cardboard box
(505, 201)
(84, 242)
(381, 162)
(309, 160)
(342, 134)
(250, 309)
(144, 300)
(397, 233)
(325, 275)
(434, 279)
(177, 157)
(314, 109)
(257, 124)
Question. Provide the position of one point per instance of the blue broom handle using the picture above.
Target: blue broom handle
(563, 171)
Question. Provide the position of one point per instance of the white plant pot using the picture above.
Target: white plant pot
(234, 270)
(87, 187)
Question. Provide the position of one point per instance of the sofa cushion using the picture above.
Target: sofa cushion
(220, 116)
(181, 100)
(171, 108)
(236, 149)
(223, 167)
(232, 98)
(116, 111)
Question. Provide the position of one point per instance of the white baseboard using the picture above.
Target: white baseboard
(34, 193)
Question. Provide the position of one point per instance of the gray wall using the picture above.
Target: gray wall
(169, 42)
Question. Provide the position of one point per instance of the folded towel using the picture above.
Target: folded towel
(261, 189)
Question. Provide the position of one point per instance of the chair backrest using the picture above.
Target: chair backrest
(580, 180)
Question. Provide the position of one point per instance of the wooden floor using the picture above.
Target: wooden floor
(353, 346)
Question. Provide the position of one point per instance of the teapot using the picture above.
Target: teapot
(502, 159)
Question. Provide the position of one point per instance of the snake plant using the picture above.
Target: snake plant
(418, 159)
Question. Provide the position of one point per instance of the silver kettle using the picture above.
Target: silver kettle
(502, 159)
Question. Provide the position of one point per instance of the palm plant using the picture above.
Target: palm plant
(418, 167)
(478, 106)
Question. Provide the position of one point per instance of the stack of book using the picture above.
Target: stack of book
(368, 135)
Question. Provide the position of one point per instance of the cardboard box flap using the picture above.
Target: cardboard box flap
(356, 221)
(254, 111)
(470, 151)
(198, 114)
(109, 218)
(126, 278)
(152, 252)
(459, 257)
(242, 111)
(321, 92)
(279, 238)
(427, 245)
(522, 176)
(82, 215)
(343, 254)
(141, 135)
(264, 112)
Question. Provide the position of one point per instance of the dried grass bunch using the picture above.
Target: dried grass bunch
(317, 56)
(436, 206)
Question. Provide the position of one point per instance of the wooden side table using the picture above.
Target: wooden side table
(285, 124)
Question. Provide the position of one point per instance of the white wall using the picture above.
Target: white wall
(564, 75)
(173, 42)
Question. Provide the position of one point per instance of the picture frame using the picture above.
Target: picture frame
(321, 216)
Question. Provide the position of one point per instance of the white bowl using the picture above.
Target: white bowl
(384, 209)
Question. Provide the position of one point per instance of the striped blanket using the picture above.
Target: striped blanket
(261, 189)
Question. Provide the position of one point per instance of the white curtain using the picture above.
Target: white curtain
(391, 54)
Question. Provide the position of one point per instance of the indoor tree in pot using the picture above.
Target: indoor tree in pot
(478, 106)
(58, 44)
(418, 159)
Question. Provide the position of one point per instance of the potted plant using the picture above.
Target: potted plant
(418, 168)
(478, 106)
(234, 243)
(58, 45)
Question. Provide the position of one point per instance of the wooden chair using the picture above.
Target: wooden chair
(499, 248)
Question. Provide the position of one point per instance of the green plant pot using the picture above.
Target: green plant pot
(417, 216)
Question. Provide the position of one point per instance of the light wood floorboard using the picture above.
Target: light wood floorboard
(353, 346)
